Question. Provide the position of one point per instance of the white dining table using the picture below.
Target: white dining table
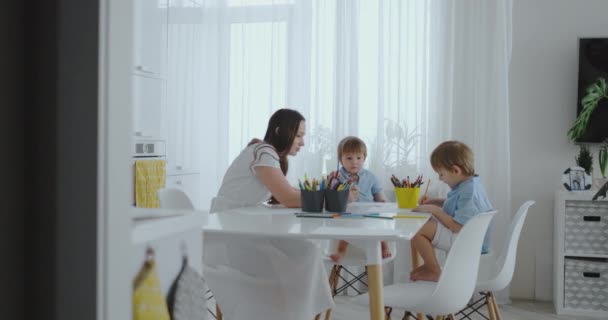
(263, 220)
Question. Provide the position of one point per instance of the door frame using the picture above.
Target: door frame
(114, 179)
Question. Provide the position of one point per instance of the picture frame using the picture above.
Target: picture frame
(576, 179)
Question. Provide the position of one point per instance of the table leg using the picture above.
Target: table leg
(218, 312)
(376, 301)
(415, 264)
(375, 281)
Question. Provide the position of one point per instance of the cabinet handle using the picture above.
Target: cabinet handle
(179, 167)
(178, 182)
(143, 69)
(591, 274)
(139, 134)
(592, 218)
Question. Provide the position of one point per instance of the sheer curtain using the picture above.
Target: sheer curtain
(402, 75)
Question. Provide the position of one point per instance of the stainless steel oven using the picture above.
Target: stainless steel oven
(145, 148)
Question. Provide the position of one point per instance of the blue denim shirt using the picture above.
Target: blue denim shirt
(368, 184)
(466, 200)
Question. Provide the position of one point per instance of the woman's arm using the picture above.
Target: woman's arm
(277, 184)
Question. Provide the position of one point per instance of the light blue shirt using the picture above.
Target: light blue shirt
(466, 200)
(368, 184)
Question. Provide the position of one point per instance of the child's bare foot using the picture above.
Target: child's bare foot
(427, 275)
(417, 271)
(337, 257)
(386, 251)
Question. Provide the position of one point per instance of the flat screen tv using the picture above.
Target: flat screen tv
(593, 65)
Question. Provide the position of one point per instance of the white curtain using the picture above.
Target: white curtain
(404, 75)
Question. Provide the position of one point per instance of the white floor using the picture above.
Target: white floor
(517, 310)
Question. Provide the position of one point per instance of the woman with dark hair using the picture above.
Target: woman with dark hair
(289, 277)
(258, 172)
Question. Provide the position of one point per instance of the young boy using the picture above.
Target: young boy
(352, 153)
(453, 161)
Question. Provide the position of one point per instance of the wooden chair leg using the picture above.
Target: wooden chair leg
(218, 312)
(328, 314)
(334, 288)
(495, 306)
(387, 312)
(318, 316)
(331, 277)
(451, 317)
(490, 305)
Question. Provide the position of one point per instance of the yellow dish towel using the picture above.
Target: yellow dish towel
(148, 300)
(149, 177)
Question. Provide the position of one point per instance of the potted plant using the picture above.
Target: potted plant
(595, 93)
(584, 159)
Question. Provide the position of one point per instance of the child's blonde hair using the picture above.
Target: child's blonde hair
(351, 145)
(453, 153)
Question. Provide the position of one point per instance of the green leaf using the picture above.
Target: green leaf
(595, 93)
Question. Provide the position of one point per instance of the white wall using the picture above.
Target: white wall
(544, 71)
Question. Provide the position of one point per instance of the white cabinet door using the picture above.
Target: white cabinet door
(150, 37)
(189, 183)
(148, 101)
(185, 98)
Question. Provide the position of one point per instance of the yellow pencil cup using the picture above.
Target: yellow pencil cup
(407, 198)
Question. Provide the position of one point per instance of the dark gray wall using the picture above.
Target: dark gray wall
(11, 159)
(61, 61)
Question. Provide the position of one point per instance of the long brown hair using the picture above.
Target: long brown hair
(280, 133)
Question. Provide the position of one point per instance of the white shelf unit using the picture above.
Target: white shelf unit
(580, 255)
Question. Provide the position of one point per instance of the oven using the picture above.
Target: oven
(145, 148)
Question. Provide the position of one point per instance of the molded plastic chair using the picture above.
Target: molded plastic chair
(171, 198)
(353, 258)
(456, 282)
(496, 272)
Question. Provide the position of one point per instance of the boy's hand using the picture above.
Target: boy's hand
(422, 200)
(353, 194)
(426, 208)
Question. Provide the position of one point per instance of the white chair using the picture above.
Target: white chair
(354, 258)
(171, 198)
(255, 277)
(456, 282)
(496, 272)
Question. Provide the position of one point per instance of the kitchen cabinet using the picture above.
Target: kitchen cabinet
(150, 37)
(185, 52)
(149, 98)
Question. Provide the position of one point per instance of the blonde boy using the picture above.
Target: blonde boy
(453, 161)
(352, 153)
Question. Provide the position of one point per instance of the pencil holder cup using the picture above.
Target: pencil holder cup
(407, 198)
(312, 201)
(336, 201)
